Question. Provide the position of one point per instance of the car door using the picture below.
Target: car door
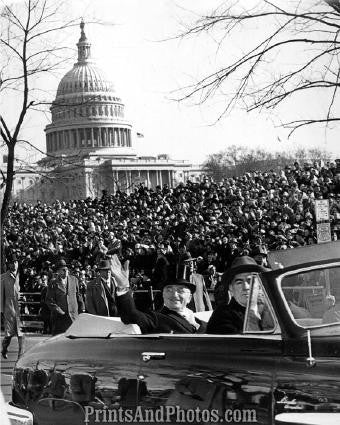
(308, 374)
(230, 375)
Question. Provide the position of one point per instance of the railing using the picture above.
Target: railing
(29, 311)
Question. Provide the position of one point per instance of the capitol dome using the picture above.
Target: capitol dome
(83, 78)
(87, 114)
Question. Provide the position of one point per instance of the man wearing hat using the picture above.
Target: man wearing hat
(64, 299)
(173, 317)
(100, 292)
(228, 317)
(260, 253)
(10, 294)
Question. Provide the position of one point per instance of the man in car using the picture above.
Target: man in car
(174, 316)
(228, 317)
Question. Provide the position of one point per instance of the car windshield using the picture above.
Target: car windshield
(313, 296)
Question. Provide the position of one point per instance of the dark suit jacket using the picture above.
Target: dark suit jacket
(227, 319)
(66, 300)
(99, 300)
(162, 321)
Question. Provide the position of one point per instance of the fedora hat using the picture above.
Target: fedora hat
(183, 282)
(104, 265)
(12, 258)
(61, 263)
(242, 264)
(259, 250)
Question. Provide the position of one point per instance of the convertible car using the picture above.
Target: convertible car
(101, 371)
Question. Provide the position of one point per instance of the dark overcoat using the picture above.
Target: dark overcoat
(10, 294)
(100, 300)
(227, 318)
(65, 303)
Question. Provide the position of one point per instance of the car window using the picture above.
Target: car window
(313, 296)
(259, 313)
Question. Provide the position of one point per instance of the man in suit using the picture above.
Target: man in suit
(228, 317)
(100, 292)
(10, 294)
(64, 299)
(173, 317)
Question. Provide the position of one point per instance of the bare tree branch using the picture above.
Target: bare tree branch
(309, 30)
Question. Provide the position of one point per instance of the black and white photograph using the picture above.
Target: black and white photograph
(170, 212)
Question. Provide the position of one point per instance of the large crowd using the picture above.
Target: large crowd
(208, 221)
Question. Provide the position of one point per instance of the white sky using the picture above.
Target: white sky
(146, 70)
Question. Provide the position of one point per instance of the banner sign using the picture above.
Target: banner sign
(321, 210)
(323, 231)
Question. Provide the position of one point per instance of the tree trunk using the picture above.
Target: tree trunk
(7, 197)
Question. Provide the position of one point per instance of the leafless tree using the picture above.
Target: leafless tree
(238, 160)
(301, 36)
(29, 49)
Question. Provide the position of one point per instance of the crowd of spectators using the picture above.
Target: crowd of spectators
(212, 222)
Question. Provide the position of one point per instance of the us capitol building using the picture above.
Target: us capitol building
(89, 142)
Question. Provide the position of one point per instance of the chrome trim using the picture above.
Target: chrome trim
(147, 356)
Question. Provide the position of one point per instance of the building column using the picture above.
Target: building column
(54, 141)
(92, 138)
(122, 137)
(106, 133)
(110, 136)
(103, 135)
(81, 134)
(148, 178)
(114, 142)
(117, 179)
(78, 138)
(118, 136)
(157, 178)
(160, 178)
(99, 137)
(126, 181)
(122, 141)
